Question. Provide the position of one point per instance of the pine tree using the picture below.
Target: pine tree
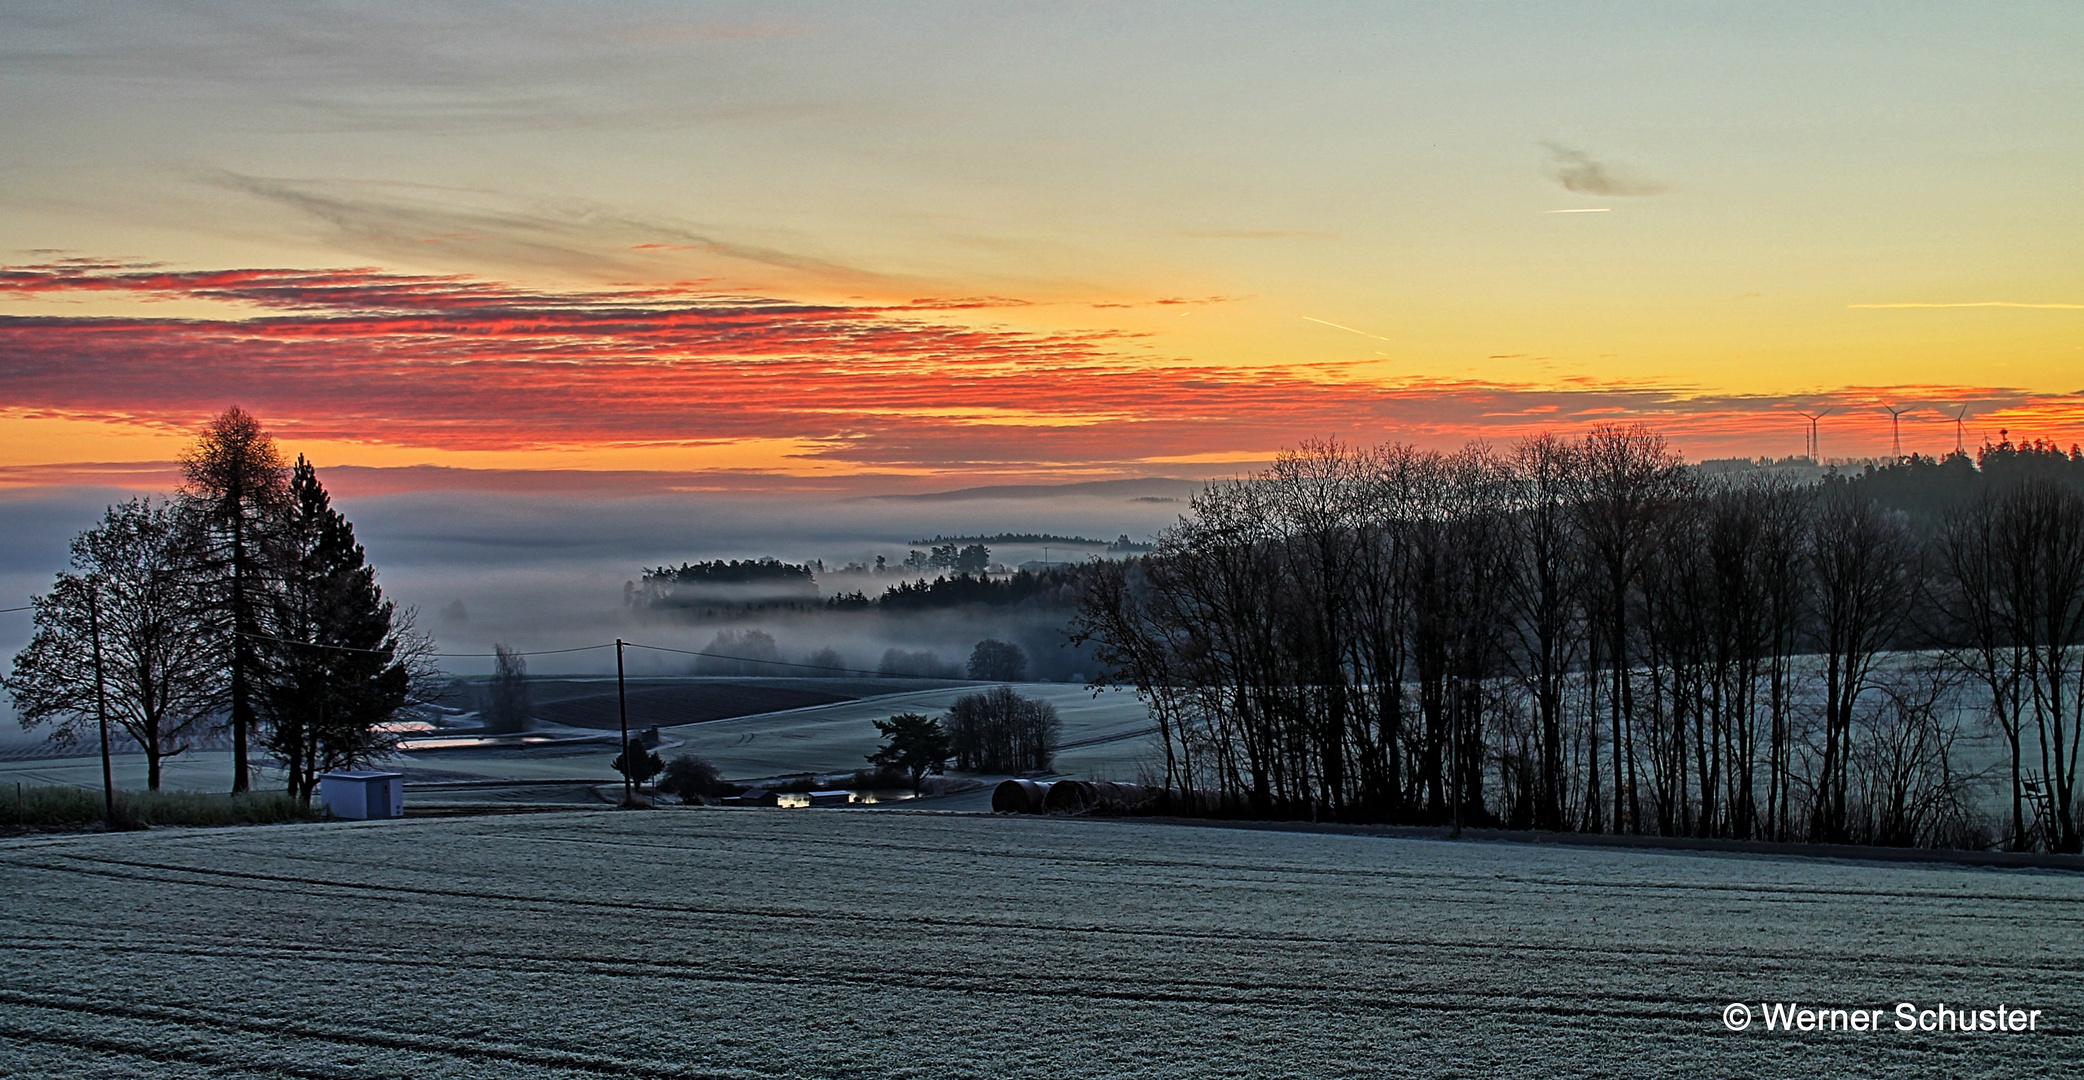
(339, 663)
(913, 744)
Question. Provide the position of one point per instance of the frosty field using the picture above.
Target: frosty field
(1105, 736)
(750, 943)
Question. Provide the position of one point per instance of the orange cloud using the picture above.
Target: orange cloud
(453, 365)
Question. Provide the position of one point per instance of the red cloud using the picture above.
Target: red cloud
(455, 363)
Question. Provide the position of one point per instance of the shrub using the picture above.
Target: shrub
(690, 777)
(885, 777)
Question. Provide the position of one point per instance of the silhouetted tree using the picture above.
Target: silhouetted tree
(134, 597)
(1000, 730)
(239, 487)
(1607, 639)
(638, 762)
(691, 777)
(1862, 584)
(1627, 476)
(1542, 591)
(507, 703)
(341, 660)
(2012, 589)
(913, 744)
(998, 661)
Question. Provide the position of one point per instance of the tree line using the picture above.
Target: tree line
(243, 606)
(1587, 635)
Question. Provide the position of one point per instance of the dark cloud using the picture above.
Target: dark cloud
(1580, 172)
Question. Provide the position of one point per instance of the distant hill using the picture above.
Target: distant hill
(1118, 546)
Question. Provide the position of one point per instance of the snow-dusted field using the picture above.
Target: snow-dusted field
(753, 943)
(1106, 736)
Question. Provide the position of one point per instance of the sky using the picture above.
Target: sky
(895, 246)
(594, 257)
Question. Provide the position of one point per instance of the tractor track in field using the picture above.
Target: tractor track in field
(262, 882)
(418, 1043)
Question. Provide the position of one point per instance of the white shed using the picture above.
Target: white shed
(362, 794)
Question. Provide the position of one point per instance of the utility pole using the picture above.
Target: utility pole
(101, 702)
(622, 705)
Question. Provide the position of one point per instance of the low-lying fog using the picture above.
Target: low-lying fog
(548, 571)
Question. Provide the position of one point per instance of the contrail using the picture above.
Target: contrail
(1976, 303)
(1585, 210)
(1348, 329)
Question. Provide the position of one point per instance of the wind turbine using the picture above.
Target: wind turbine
(1958, 417)
(1815, 445)
(1895, 430)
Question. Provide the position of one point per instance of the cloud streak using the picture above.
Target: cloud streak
(1974, 304)
(393, 219)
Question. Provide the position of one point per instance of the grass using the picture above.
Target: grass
(63, 807)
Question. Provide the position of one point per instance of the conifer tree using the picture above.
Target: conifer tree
(340, 660)
(238, 488)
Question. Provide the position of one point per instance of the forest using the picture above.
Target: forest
(1587, 635)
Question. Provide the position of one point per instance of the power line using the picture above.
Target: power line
(537, 652)
(4, 610)
(350, 648)
(750, 660)
(579, 649)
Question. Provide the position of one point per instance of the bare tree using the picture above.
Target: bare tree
(999, 730)
(2012, 588)
(507, 703)
(1862, 582)
(1627, 476)
(2043, 567)
(1908, 789)
(133, 599)
(1543, 590)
